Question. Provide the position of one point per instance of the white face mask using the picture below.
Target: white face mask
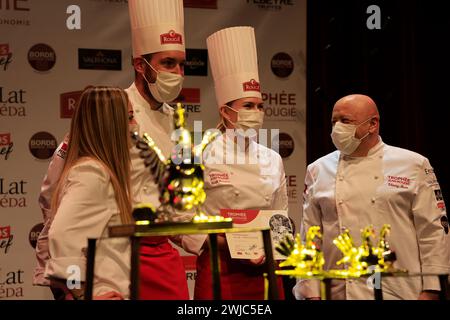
(343, 136)
(248, 119)
(167, 85)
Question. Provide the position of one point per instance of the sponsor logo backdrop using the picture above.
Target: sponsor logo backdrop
(44, 65)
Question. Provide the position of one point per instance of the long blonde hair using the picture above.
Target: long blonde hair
(99, 130)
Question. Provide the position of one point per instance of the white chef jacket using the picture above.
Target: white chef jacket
(390, 185)
(159, 125)
(258, 182)
(87, 208)
(48, 187)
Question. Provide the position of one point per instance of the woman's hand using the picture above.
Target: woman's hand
(110, 295)
(254, 262)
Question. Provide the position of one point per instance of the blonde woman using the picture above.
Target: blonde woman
(92, 194)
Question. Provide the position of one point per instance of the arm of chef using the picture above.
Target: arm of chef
(305, 289)
(45, 198)
(430, 219)
(280, 200)
(191, 243)
(83, 213)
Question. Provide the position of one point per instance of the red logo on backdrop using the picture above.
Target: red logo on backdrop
(191, 95)
(5, 139)
(252, 85)
(4, 49)
(68, 102)
(6, 145)
(171, 38)
(5, 56)
(203, 4)
(239, 216)
(5, 232)
(6, 238)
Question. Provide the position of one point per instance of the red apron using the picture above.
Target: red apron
(238, 281)
(162, 271)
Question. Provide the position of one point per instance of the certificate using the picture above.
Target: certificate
(249, 245)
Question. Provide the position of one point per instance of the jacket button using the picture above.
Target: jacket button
(376, 177)
(341, 201)
(373, 200)
(236, 192)
(341, 178)
(267, 198)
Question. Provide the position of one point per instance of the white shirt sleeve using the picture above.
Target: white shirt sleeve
(428, 211)
(281, 201)
(83, 213)
(45, 198)
(311, 217)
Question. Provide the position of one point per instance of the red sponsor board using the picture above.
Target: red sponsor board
(191, 95)
(202, 4)
(68, 102)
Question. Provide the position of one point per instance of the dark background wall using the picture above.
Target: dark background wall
(404, 67)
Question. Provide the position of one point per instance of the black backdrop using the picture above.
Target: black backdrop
(404, 67)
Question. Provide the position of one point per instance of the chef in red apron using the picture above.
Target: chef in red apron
(257, 183)
(157, 28)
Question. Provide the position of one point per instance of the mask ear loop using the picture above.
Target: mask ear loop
(367, 134)
(225, 118)
(143, 73)
(150, 65)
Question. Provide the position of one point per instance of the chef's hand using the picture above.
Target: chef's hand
(259, 261)
(110, 295)
(254, 262)
(429, 295)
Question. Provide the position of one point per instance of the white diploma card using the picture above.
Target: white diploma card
(249, 245)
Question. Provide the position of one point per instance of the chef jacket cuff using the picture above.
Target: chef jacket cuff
(59, 267)
(305, 289)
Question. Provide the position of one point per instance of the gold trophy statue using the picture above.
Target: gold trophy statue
(359, 259)
(180, 178)
(307, 259)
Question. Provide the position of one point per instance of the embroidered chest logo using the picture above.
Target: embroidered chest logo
(63, 151)
(398, 182)
(219, 178)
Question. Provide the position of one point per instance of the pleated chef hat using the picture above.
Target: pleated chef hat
(156, 25)
(234, 64)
